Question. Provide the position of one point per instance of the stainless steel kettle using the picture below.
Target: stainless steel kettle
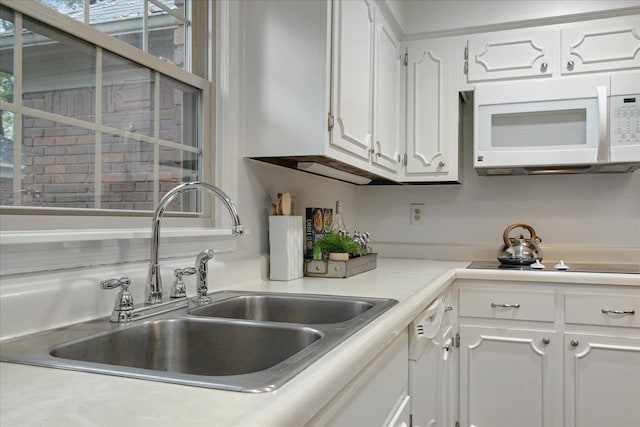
(520, 251)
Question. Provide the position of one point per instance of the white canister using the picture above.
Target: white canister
(286, 246)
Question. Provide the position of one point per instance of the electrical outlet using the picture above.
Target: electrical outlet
(416, 212)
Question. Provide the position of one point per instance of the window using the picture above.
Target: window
(89, 124)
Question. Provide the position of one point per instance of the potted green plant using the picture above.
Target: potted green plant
(338, 247)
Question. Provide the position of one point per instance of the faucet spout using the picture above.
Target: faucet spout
(153, 288)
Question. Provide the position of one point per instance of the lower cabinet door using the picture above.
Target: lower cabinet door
(602, 380)
(510, 377)
(402, 417)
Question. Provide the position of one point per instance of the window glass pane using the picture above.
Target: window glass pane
(167, 34)
(72, 8)
(177, 167)
(58, 165)
(127, 95)
(7, 164)
(122, 19)
(58, 72)
(179, 112)
(127, 173)
(6, 75)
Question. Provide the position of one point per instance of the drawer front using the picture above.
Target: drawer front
(513, 305)
(603, 309)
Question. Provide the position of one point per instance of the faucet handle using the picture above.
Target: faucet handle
(123, 307)
(178, 289)
(202, 279)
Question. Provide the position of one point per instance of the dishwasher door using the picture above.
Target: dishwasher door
(432, 367)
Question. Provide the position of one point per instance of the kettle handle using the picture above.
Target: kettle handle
(505, 235)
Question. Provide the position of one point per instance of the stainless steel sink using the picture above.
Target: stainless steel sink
(252, 352)
(195, 347)
(305, 309)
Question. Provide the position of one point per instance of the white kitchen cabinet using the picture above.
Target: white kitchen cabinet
(548, 354)
(353, 52)
(602, 380)
(509, 376)
(432, 108)
(602, 358)
(601, 46)
(510, 356)
(366, 85)
(377, 396)
(317, 76)
(510, 55)
(386, 114)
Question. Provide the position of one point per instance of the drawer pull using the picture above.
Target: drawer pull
(629, 312)
(546, 340)
(494, 305)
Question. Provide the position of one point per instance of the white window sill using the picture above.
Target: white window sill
(59, 236)
(36, 251)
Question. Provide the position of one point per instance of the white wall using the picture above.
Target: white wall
(571, 212)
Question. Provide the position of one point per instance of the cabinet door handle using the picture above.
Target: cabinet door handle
(629, 312)
(570, 65)
(574, 343)
(546, 340)
(494, 305)
(543, 67)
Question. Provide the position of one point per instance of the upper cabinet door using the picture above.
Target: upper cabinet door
(432, 112)
(601, 46)
(515, 54)
(353, 76)
(425, 107)
(386, 119)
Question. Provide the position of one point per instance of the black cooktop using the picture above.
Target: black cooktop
(549, 266)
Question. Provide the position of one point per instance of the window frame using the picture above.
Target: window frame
(20, 218)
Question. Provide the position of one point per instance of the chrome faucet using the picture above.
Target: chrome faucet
(153, 288)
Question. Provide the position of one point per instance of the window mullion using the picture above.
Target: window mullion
(98, 134)
(145, 27)
(85, 10)
(17, 117)
(156, 134)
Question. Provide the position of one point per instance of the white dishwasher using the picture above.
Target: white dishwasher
(432, 362)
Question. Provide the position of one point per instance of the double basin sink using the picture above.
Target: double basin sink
(242, 341)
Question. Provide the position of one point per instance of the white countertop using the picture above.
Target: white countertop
(44, 396)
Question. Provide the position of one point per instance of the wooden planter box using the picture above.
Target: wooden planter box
(340, 269)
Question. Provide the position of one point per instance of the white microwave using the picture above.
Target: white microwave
(571, 125)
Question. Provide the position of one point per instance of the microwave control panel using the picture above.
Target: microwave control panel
(625, 119)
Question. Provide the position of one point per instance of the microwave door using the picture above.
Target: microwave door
(557, 132)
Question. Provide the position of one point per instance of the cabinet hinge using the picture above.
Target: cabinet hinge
(466, 59)
(457, 424)
(404, 160)
(458, 340)
(330, 122)
(406, 58)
